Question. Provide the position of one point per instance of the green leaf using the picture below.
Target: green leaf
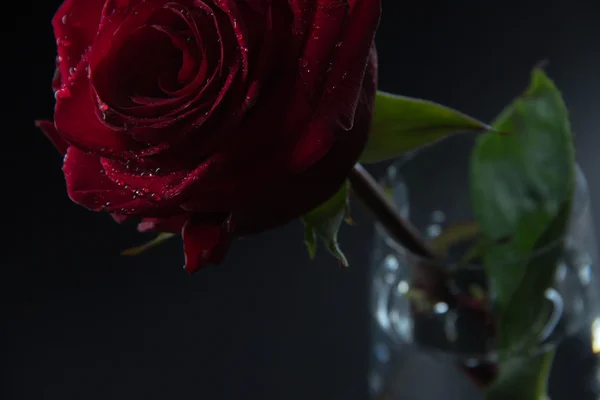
(522, 181)
(523, 379)
(521, 189)
(324, 221)
(134, 251)
(402, 124)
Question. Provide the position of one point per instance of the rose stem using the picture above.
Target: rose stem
(403, 232)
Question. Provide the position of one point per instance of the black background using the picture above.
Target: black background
(82, 322)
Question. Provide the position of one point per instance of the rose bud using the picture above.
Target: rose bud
(213, 118)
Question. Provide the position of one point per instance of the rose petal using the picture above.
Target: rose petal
(75, 26)
(240, 28)
(326, 31)
(117, 27)
(313, 144)
(163, 185)
(262, 64)
(76, 119)
(319, 182)
(119, 19)
(51, 133)
(303, 11)
(339, 100)
(88, 186)
(206, 239)
(133, 68)
(343, 85)
(245, 164)
(119, 219)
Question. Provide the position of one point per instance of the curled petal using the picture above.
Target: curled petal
(237, 20)
(206, 239)
(76, 119)
(338, 103)
(51, 133)
(343, 86)
(325, 128)
(88, 186)
(159, 186)
(119, 19)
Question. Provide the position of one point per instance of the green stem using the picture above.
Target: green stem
(523, 379)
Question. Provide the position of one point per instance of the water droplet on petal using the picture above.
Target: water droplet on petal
(62, 93)
(64, 42)
(64, 19)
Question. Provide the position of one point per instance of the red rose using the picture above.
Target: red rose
(214, 118)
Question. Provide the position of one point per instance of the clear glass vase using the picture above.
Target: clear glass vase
(430, 325)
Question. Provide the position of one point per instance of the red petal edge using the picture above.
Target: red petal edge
(88, 186)
(51, 133)
(119, 219)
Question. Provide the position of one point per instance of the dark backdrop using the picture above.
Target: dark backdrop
(81, 322)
